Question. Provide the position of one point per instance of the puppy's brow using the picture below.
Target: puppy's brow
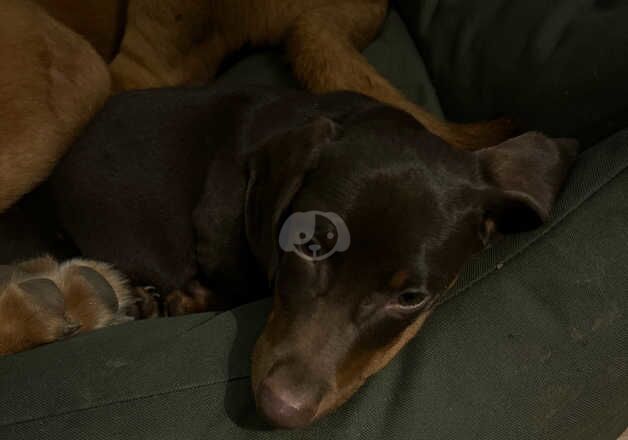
(398, 279)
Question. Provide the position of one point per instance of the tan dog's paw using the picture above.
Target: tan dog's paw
(95, 295)
(42, 301)
(32, 314)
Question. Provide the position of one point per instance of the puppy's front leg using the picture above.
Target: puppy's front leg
(194, 298)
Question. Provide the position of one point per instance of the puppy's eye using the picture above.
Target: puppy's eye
(412, 299)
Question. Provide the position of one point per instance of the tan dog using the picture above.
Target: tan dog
(51, 83)
(54, 82)
(100, 22)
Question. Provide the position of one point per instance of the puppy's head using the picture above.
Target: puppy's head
(415, 210)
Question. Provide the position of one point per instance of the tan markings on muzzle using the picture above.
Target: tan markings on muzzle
(360, 367)
(351, 376)
(355, 371)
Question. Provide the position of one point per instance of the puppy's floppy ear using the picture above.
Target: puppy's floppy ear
(276, 173)
(524, 176)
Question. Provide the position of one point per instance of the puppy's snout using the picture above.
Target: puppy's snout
(288, 400)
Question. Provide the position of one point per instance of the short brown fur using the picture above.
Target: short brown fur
(51, 87)
(101, 22)
(350, 376)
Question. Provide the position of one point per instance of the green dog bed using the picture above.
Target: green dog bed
(532, 342)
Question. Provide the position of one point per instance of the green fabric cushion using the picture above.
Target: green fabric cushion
(555, 65)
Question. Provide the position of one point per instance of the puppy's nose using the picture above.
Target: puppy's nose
(284, 407)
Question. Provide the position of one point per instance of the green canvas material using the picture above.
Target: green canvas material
(559, 66)
(531, 344)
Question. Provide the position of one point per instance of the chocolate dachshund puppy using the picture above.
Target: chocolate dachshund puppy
(348, 211)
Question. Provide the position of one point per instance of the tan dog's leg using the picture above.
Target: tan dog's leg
(323, 48)
(52, 83)
(168, 43)
(42, 301)
(101, 22)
